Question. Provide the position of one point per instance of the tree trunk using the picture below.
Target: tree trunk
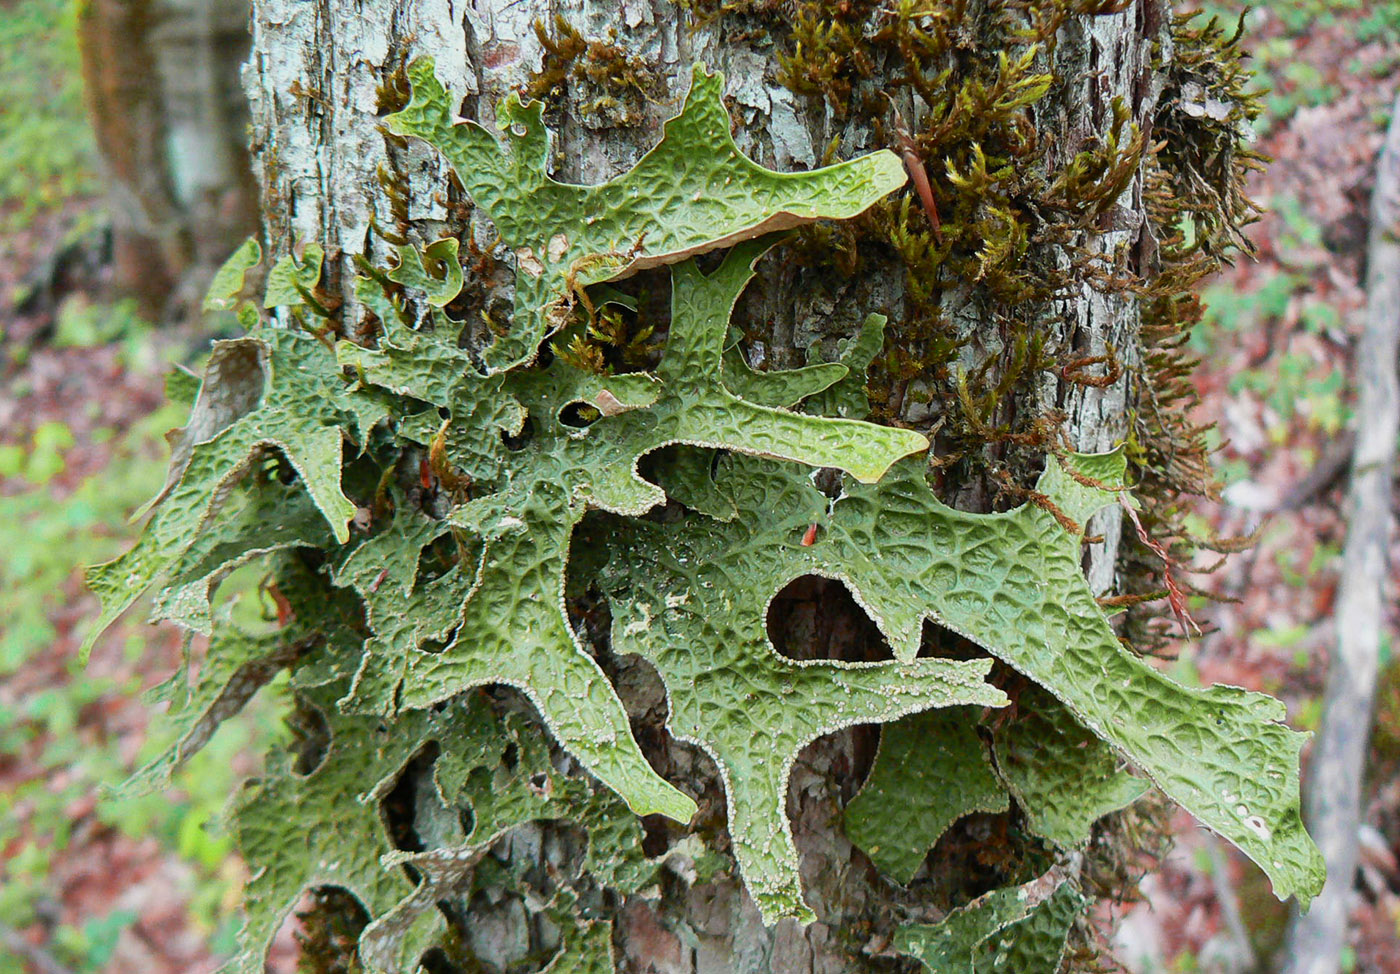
(163, 97)
(323, 73)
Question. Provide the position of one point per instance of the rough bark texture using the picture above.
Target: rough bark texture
(321, 74)
(1338, 762)
(161, 78)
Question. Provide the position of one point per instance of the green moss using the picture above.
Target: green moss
(995, 225)
(1197, 207)
(1002, 227)
(392, 94)
(608, 86)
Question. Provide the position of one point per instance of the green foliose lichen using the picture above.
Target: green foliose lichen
(420, 506)
(1021, 929)
(1000, 237)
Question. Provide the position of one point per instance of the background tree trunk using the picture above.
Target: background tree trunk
(161, 78)
(321, 75)
(1337, 766)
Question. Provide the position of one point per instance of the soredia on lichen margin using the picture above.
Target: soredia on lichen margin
(694, 192)
(1013, 583)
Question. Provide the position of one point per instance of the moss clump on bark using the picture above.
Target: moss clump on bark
(1000, 233)
(1197, 208)
(609, 85)
(997, 213)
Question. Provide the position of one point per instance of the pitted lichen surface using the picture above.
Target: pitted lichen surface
(238, 665)
(930, 771)
(693, 193)
(1064, 778)
(252, 524)
(513, 628)
(422, 507)
(692, 600)
(275, 390)
(473, 772)
(1012, 583)
(302, 831)
(1017, 930)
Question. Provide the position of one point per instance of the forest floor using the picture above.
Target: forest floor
(91, 883)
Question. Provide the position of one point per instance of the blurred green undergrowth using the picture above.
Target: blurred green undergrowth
(47, 151)
(68, 482)
(1291, 81)
(66, 751)
(1305, 392)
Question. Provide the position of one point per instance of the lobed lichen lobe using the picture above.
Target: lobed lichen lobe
(469, 481)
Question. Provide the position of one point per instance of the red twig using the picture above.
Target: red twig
(1176, 595)
(285, 613)
(914, 162)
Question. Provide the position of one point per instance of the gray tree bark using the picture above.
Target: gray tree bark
(1337, 765)
(316, 81)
